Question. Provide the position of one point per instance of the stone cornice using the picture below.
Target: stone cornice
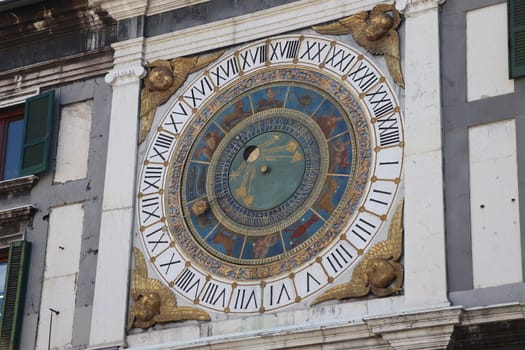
(159, 6)
(430, 329)
(54, 72)
(20, 184)
(421, 329)
(16, 214)
(276, 20)
(122, 9)
(496, 313)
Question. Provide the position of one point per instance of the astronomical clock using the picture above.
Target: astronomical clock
(268, 176)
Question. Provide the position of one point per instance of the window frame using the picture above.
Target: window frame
(6, 116)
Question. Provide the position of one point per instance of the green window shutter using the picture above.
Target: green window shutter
(516, 13)
(15, 287)
(37, 133)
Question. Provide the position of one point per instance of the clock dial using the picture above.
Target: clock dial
(270, 174)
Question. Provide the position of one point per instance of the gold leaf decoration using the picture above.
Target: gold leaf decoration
(164, 78)
(374, 30)
(152, 302)
(379, 272)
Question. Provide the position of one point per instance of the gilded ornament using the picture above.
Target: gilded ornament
(379, 272)
(164, 78)
(152, 302)
(374, 30)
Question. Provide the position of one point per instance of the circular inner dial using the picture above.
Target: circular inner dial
(268, 173)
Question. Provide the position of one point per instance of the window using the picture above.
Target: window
(3, 270)
(11, 128)
(24, 137)
(516, 22)
(15, 279)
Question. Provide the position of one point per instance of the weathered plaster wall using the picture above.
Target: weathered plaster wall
(458, 116)
(88, 192)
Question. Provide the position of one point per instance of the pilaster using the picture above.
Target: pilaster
(425, 262)
(111, 286)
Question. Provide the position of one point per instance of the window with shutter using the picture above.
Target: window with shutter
(25, 133)
(37, 133)
(14, 293)
(516, 13)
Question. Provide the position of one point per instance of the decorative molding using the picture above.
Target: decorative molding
(414, 330)
(496, 313)
(20, 184)
(409, 7)
(20, 97)
(129, 52)
(16, 214)
(276, 20)
(430, 329)
(159, 6)
(355, 335)
(130, 72)
(121, 9)
(54, 72)
(128, 60)
(39, 22)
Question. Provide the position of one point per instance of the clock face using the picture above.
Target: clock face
(270, 175)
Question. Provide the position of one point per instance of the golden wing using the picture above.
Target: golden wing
(169, 311)
(140, 263)
(149, 101)
(184, 66)
(358, 286)
(395, 232)
(354, 23)
(392, 57)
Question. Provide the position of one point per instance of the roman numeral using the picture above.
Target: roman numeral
(212, 295)
(279, 294)
(314, 50)
(253, 57)
(380, 196)
(187, 282)
(151, 208)
(340, 59)
(389, 163)
(198, 93)
(288, 50)
(243, 299)
(169, 263)
(309, 278)
(364, 77)
(152, 176)
(156, 238)
(162, 146)
(339, 258)
(380, 101)
(388, 130)
(225, 70)
(176, 118)
(363, 227)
